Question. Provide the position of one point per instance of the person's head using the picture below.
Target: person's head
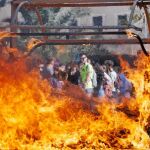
(102, 68)
(84, 59)
(68, 66)
(109, 64)
(62, 68)
(62, 76)
(51, 61)
(126, 73)
(75, 67)
(56, 72)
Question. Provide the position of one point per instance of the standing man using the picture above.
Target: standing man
(86, 75)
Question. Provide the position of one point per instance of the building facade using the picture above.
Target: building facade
(116, 16)
(101, 16)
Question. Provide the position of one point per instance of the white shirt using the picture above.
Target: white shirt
(113, 76)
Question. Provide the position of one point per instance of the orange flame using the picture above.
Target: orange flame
(6, 35)
(129, 34)
(32, 43)
(33, 116)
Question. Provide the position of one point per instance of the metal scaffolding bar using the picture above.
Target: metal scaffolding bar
(69, 33)
(17, 4)
(15, 13)
(94, 42)
(13, 19)
(71, 27)
(79, 3)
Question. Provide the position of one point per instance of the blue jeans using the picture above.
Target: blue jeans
(89, 91)
(101, 92)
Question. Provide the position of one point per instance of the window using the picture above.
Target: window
(74, 23)
(98, 21)
(122, 20)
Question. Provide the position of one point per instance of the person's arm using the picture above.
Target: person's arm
(107, 77)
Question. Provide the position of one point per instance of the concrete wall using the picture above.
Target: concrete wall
(5, 13)
(110, 18)
(109, 15)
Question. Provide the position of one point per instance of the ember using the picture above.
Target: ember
(33, 117)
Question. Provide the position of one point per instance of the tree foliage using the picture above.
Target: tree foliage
(54, 17)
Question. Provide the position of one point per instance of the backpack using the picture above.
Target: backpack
(94, 79)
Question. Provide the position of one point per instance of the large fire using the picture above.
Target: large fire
(32, 116)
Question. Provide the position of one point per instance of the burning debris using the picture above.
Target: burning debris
(4, 35)
(33, 43)
(131, 34)
(32, 116)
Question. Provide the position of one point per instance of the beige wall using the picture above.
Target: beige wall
(109, 14)
(110, 18)
(5, 13)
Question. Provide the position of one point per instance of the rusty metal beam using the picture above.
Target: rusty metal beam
(69, 33)
(94, 42)
(13, 11)
(72, 1)
(43, 29)
(79, 3)
(82, 5)
(71, 27)
(15, 14)
(40, 19)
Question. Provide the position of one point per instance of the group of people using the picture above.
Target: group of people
(100, 80)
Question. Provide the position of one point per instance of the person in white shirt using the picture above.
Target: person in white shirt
(112, 74)
(50, 67)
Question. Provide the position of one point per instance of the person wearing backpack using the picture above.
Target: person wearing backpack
(86, 75)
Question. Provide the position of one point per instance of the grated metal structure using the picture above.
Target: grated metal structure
(16, 5)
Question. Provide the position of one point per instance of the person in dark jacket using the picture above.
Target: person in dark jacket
(73, 74)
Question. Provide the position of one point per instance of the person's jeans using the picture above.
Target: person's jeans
(89, 91)
(101, 92)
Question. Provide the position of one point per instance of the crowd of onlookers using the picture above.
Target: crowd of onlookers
(100, 80)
